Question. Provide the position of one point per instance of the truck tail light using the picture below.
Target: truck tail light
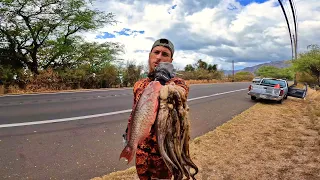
(281, 92)
(250, 87)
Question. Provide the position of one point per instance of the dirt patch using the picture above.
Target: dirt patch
(267, 141)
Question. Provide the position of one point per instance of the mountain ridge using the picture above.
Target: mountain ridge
(252, 69)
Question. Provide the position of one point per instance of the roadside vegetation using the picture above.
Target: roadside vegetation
(306, 68)
(41, 50)
(267, 141)
(274, 72)
(308, 65)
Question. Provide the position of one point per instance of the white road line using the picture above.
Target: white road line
(202, 97)
(99, 115)
(64, 119)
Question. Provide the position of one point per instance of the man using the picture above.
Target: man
(149, 163)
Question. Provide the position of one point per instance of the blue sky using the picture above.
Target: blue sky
(123, 32)
(216, 31)
(105, 35)
(246, 2)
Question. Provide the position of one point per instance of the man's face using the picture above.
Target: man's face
(158, 54)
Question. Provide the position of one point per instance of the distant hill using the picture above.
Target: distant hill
(278, 64)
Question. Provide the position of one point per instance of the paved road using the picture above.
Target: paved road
(88, 148)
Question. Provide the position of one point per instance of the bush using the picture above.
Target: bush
(243, 76)
(131, 74)
(74, 78)
(109, 76)
(6, 74)
(304, 77)
(46, 80)
(274, 72)
(200, 74)
(9, 75)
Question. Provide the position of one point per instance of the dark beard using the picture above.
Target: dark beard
(151, 75)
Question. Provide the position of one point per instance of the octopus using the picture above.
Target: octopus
(173, 132)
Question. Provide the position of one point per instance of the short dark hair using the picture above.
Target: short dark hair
(164, 42)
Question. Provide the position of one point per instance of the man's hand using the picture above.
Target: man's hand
(163, 72)
(177, 98)
(125, 137)
(162, 76)
(172, 88)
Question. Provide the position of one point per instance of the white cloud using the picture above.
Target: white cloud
(213, 30)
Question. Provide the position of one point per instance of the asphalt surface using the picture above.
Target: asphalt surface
(87, 148)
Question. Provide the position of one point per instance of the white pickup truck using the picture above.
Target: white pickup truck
(274, 89)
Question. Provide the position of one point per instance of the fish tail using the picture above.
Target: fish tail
(127, 153)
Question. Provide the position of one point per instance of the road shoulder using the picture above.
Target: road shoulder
(277, 141)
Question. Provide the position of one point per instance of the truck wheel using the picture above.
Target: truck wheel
(253, 98)
(280, 101)
(286, 97)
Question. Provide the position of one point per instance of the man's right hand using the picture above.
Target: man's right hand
(125, 137)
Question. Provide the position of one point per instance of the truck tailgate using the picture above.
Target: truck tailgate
(265, 90)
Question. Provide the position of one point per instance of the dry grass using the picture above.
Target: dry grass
(119, 175)
(12, 90)
(267, 141)
(299, 85)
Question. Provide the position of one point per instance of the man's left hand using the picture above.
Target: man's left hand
(163, 72)
(162, 76)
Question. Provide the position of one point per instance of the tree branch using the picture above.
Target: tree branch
(27, 22)
(13, 45)
(53, 27)
(52, 59)
(69, 32)
(38, 32)
(41, 8)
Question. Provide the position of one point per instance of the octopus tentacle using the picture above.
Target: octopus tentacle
(161, 128)
(173, 132)
(185, 141)
(176, 141)
(186, 153)
(171, 149)
(184, 126)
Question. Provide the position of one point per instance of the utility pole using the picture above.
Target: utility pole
(232, 70)
(295, 58)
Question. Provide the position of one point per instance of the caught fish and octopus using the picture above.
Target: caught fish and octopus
(166, 107)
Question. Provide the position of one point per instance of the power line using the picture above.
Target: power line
(290, 35)
(295, 27)
(293, 37)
